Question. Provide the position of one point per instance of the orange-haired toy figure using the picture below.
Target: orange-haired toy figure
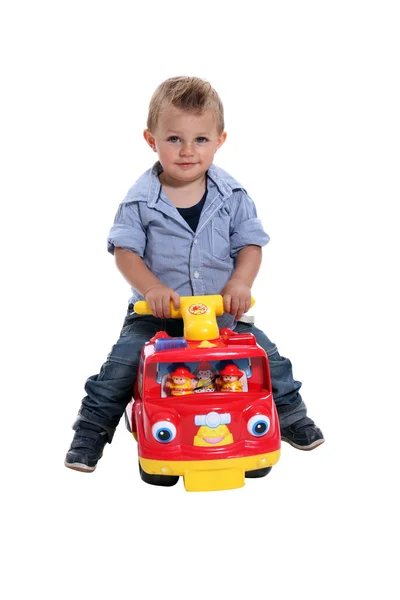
(183, 382)
(229, 379)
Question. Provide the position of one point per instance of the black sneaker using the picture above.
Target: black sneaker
(303, 435)
(86, 448)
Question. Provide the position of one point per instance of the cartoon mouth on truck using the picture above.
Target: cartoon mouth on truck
(213, 430)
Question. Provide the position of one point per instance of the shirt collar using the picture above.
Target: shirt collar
(147, 187)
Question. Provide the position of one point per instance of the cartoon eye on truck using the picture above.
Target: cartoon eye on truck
(203, 407)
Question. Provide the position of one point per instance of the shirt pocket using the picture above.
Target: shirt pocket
(221, 246)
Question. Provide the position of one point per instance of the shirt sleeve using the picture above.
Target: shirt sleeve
(128, 231)
(246, 228)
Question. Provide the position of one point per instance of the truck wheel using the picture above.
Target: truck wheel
(163, 480)
(127, 424)
(257, 473)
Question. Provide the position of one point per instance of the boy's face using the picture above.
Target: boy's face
(185, 143)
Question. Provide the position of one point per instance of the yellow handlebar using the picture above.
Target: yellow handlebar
(198, 313)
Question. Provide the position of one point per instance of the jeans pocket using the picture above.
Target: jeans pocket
(127, 328)
(141, 325)
(131, 321)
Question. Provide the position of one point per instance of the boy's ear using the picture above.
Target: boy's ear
(221, 139)
(150, 139)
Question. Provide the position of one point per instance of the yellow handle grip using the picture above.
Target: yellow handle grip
(198, 314)
(143, 308)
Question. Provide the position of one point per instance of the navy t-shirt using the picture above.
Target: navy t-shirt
(192, 214)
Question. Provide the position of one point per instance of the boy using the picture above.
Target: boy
(185, 228)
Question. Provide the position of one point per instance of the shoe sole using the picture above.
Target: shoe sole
(79, 467)
(298, 447)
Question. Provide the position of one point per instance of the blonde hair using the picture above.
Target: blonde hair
(190, 94)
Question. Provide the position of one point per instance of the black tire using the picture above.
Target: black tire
(257, 473)
(163, 480)
(127, 424)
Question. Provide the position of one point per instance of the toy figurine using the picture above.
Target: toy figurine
(205, 376)
(229, 379)
(183, 382)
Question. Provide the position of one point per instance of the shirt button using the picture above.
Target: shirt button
(196, 274)
(195, 242)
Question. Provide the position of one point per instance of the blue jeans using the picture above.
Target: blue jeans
(109, 392)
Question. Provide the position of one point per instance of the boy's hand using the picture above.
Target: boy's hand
(159, 298)
(237, 298)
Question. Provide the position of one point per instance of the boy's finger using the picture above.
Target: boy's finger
(240, 311)
(166, 308)
(235, 305)
(154, 308)
(227, 303)
(239, 315)
(243, 308)
(160, 308)
(151, 305)
(176, 300)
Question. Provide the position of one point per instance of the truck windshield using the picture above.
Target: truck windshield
(204, 376)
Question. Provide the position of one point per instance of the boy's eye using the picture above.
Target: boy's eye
(173, 139)
(201, 140)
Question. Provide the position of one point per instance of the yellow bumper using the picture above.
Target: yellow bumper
(207, 475)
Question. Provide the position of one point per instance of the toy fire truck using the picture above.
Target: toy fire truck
(203, 407)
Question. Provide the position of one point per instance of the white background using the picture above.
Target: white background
(311, 94)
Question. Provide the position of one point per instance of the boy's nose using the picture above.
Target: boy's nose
(187, 150)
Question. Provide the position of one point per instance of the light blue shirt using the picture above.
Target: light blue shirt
(191, 263)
